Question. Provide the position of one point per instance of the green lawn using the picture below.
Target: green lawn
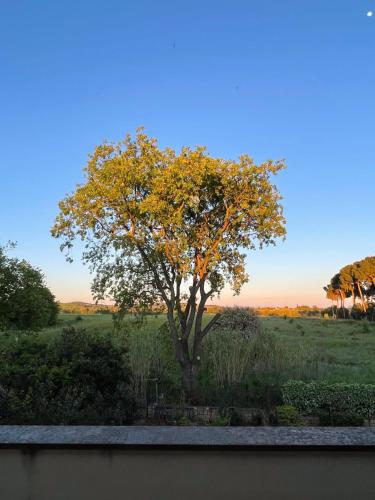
(340, 350)
(343, 349)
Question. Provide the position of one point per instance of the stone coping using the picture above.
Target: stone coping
(15, 436)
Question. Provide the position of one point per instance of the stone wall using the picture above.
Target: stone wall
(205, 414)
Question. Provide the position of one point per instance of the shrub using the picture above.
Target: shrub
(229, 347)
(221, 421)
(77, 379)
(336, 399)
(184, 421)
(339, 419)
(288, 415)
(241, 320)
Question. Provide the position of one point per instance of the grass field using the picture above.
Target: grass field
(341, 350)
(344, 350)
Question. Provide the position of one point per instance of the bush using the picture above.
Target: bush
(288, 415)
(77, 379)
(340, 419)
(241, 320)
(184, 421)
(228, 349)
(357, 312)
(313, 398)
(221, 421)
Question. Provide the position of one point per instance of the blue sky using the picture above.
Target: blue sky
(291, 79)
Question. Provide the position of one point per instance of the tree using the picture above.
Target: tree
(367, 274)
(346, 282)
(167, 227)
(25, 301)
(332, 295)
(355, 280)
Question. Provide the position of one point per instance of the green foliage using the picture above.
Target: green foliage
(221, 421)
(346, 418)
(151, 360)
(229, 347)
(187, 208)
(314, 397)
(249, 370)
(25, 302)
(240, 320)
(166, 229)
(335, 351)
(184, 421)
(78, 378)
(288, 415)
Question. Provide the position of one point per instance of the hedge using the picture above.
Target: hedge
(313, 397)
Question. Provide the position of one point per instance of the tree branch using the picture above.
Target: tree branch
(211, 323)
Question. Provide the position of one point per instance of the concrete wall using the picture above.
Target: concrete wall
(166, 472)
(72, 474)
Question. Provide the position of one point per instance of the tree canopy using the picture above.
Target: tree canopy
(170, 227)
(356, 281)
(25, 301)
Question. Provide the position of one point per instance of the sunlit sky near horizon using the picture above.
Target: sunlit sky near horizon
(272, 78)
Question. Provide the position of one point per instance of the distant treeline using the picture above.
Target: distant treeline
(292, 312)
(85, 308)
(299, 311)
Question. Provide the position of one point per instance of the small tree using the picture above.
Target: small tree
(167, 227)
(25, 301)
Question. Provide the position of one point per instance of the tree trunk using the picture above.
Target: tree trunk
(190, 382)
(364, 305)
(189, 369)
(189, 354)
(342, 304)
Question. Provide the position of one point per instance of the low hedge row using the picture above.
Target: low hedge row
(313, 397)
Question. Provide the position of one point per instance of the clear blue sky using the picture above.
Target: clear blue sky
(273, 78)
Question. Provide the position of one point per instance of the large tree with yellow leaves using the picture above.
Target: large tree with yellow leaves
(169, 227)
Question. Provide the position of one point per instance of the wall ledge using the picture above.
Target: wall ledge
(14, 436)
